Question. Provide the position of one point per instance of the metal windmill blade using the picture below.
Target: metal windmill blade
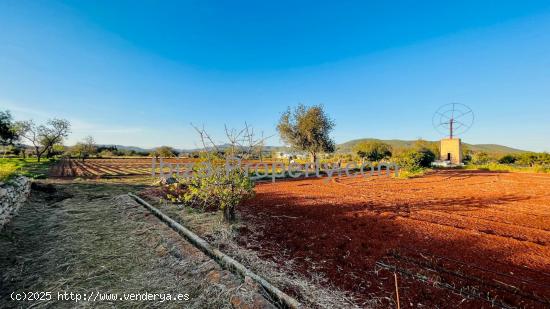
(453, 119)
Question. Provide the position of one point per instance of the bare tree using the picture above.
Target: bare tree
(226, 189)
(245, 142)
(85, 148)
(43, 137)
(90, 146)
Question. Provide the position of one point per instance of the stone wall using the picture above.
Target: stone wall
(12, 195)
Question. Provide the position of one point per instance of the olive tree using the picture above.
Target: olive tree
(307, 129)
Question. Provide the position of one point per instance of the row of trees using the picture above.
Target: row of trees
(420, 155)
(47, 140)
(521, 159)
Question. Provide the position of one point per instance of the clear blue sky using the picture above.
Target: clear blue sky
(139, 72)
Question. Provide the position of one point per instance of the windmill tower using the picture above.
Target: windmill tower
(454, 119)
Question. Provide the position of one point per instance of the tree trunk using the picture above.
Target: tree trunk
(229, 214)
(38, 154)
(314, 157)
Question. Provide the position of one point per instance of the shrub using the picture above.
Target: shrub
(213, 189)
(106, 154)
(507, 159)
(426, 157)
(533, 158)
(373, 150)
(163, 151)
(414, 160)
(480, 158)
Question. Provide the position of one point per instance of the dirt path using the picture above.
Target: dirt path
(92, 240)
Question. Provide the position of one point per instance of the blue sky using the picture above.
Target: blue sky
(139, 72)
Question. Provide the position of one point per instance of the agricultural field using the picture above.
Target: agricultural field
(460, 238)
(119, 167)
(107, 167)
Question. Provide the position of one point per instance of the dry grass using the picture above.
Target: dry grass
(98, 241)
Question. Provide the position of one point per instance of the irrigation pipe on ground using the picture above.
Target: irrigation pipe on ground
(225, 261)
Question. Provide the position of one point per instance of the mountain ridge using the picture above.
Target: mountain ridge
(348, 146)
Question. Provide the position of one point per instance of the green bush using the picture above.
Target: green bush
(533, 158)
(480, 158)
(507, 159)
(7, 169)
(414, 160)
(213, 190)
(373, 150)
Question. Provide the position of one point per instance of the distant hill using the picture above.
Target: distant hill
(134, 148)
(494, 148)
(348, 146)
(396, 143)
(139, 149)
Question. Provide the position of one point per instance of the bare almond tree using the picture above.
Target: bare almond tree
(43, 137)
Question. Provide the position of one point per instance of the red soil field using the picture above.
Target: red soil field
(455, 239)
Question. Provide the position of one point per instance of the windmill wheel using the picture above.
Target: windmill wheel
(453, 119)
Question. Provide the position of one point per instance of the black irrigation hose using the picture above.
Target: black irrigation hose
(283, 300)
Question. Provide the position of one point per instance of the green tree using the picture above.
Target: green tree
(480, 158)
(533, 158)
(414, 160)
(164, 151)
(427, 152)
(507, 159)
(373, 150)
(307, 129)
(8, 133)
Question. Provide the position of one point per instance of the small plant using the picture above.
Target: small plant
(213, 189)
(480, 158)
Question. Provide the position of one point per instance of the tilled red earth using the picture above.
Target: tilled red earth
(466, 239)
